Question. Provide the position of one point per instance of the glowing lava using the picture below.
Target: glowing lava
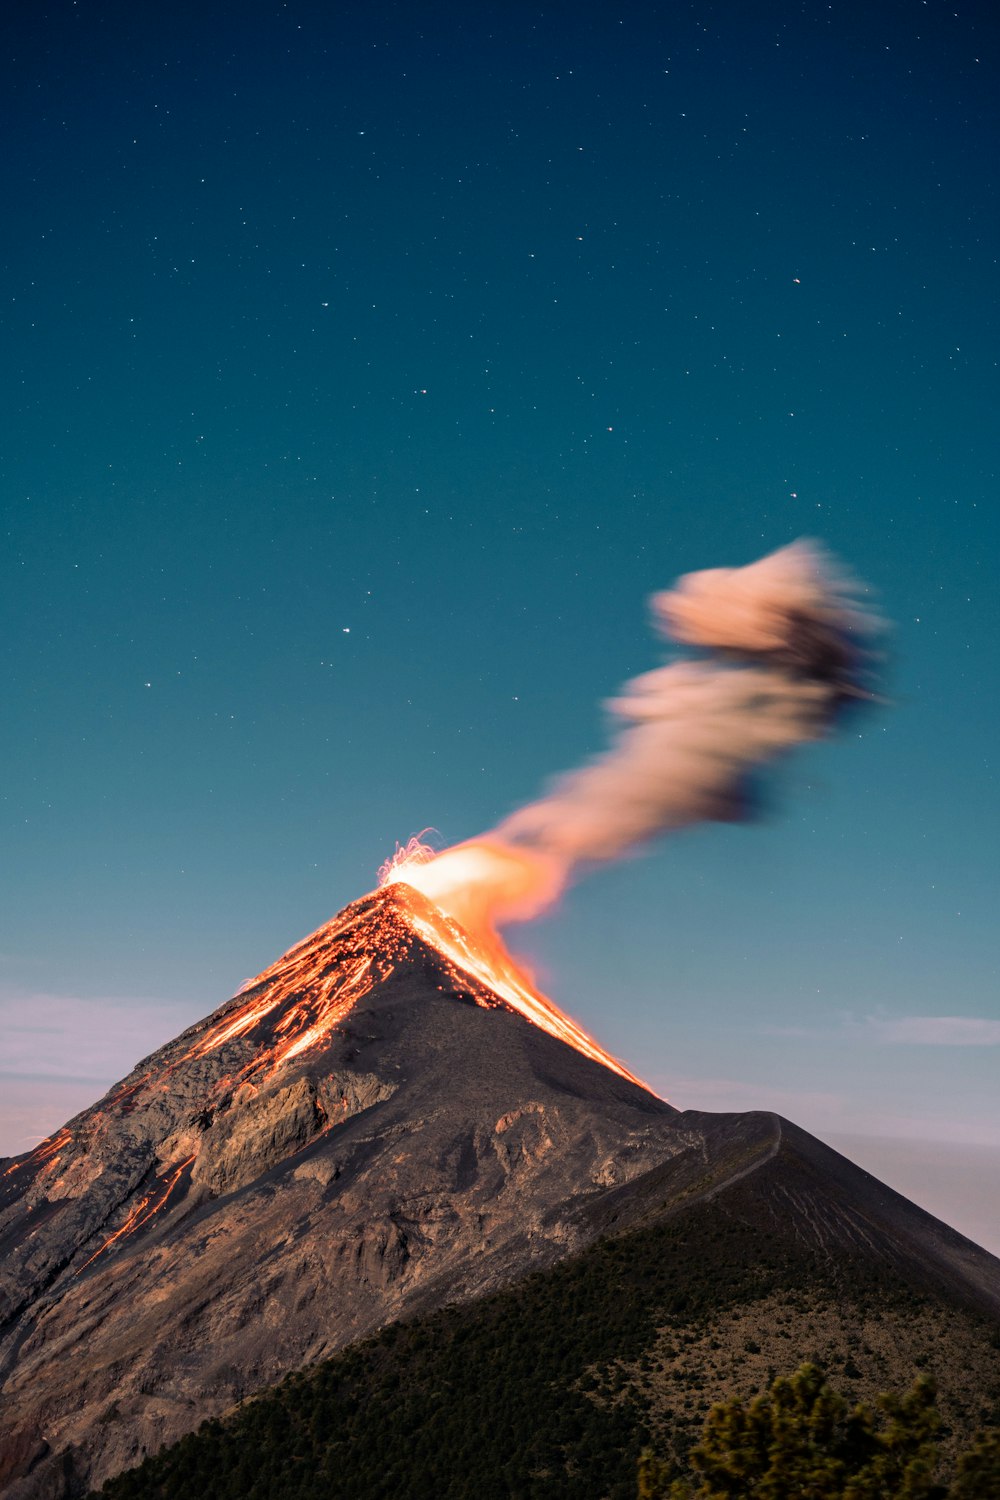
(140, 1213)
(473, 886)
(433, 912)
(447, 903)
(451, 901)
(314, 985)
(45, 1155)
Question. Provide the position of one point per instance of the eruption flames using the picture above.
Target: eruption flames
(447, 900)
(468, 889)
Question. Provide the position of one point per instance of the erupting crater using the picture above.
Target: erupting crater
(468, 889)
(449, 901)
(184, 1109)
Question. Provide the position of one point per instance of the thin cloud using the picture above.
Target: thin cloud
(912, 1031)
(937, 1031)
(60, 1053)
(727, 1094)
(830, 1115)
(73, 1037)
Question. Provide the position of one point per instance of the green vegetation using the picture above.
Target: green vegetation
(529, 1394)
(978, 1474)
(803, 1439)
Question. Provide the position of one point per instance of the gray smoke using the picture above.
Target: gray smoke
(787, 648)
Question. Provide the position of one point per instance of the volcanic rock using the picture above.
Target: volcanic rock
(364, 1134)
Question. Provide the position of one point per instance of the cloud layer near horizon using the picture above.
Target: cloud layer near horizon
(937, 1031)
(48, 1036)
(61, 1052)
(911, 1031)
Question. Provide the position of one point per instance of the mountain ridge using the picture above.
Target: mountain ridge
(364, 1133)
(629, 1341)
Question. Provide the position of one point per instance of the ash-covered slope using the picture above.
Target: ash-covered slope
(362, 1133)
(365, 1133)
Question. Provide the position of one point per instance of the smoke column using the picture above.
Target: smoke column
(784, 647)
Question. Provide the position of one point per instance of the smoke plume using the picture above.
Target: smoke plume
(784, 648)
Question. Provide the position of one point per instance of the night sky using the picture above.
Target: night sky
(365, 369)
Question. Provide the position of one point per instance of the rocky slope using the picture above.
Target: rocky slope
(551, 1387)
(363, 1134)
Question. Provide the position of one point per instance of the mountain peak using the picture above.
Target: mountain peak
(390, 1105)
(302, 1047)
(388, 1118)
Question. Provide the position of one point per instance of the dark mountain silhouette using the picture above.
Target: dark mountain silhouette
(365, 1134)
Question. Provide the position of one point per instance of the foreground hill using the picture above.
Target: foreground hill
(551, 1387)
(366, 1134)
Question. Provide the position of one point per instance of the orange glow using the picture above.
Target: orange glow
(146, 1207)
(314, 991)
(45, 1154)
(413, 852)
(450, 901)
(476, 885)
(446, 903)
(480, 884)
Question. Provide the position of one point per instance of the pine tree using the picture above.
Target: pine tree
(802, 1441)
(978, 1473)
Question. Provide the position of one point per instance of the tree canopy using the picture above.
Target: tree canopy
(801, 1440)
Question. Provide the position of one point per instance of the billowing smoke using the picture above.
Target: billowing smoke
(784, 648)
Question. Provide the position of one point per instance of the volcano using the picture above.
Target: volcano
(381, 1123)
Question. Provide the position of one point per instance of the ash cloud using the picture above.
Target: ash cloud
(784, 647)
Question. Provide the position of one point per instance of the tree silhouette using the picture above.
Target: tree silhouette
(978, 1473)
(801, 1440)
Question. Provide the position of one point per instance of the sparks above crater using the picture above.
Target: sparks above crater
(469, 888)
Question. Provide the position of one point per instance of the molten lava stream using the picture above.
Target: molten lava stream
(141, 1212)
(44, 1154)
(316, 983)
(469, 887)
(315, 992)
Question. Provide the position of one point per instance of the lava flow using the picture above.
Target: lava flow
(432, 911)
(313, 986)
(143, 1211)
(468, 888)
(448, 900)
(45, 1155)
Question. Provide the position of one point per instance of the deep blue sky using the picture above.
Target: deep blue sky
(365, 368)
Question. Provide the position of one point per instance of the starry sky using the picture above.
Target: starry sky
(365, 370)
